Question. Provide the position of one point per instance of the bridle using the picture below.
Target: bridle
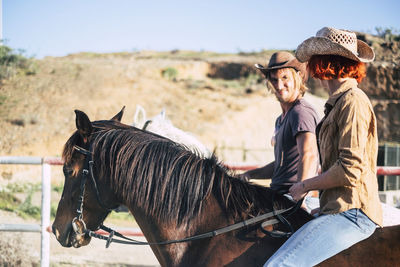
(78, 222)
(86, 171)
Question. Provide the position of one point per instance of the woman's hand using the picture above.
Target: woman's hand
(298, 191)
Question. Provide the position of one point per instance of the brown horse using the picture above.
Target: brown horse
(174, 194)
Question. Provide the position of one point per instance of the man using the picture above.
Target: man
(294, 140)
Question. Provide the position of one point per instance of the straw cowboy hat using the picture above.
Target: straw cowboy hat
(330, 41)
(283, 59)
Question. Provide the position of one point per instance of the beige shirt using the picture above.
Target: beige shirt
(349, 146)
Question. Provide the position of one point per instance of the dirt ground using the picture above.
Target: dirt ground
(23, 249)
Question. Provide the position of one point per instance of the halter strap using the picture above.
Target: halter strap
(88, 169)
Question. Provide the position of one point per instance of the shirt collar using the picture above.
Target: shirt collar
(348, 84)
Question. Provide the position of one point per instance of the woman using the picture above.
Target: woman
(349, 202)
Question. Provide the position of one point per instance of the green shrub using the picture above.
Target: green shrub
(8, 201)
(389, 34)
(57, 188)
(251, 79)
(20, 188)
(26, 209)
(3, 99)
(12, 62)
(170, 73)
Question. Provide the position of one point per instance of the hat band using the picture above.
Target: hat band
(278, 64)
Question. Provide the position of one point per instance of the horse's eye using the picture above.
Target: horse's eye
(67, 171)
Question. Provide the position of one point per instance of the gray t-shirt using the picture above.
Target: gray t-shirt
(301, 117)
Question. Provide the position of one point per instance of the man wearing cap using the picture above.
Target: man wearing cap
(350, 208)
(295, 147)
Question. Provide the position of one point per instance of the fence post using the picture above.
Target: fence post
(46, 191)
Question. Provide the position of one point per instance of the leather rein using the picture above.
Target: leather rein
(78, 222)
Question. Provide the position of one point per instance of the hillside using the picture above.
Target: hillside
(37, 114)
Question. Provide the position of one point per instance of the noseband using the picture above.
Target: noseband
(80, 229)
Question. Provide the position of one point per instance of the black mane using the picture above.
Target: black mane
(166, 179)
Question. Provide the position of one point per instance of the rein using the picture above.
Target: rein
(78, 223)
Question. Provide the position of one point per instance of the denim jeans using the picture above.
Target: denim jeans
(322, 238)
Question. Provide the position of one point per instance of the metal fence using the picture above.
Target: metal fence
(46, 163)
(389, 155)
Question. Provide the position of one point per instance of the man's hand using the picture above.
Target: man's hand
(298, 191)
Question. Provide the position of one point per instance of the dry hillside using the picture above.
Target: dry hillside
(37, 114)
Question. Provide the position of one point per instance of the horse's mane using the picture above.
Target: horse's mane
(164, 178)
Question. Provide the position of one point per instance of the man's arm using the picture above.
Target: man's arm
(265, 172)
(308, 155)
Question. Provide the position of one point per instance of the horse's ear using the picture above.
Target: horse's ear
(118, 117)
(140, 116)
(83, 124)
(163, 113)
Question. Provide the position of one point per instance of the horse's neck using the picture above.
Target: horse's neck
(211, 218)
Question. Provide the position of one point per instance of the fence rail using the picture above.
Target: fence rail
(44, 227)
(20, 227)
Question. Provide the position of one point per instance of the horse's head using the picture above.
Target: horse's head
(81, 207)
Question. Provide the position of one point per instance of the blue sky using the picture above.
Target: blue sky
(57, 28)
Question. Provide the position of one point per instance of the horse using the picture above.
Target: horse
(161, 125)
(175, 194)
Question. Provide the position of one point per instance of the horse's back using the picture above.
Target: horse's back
(381, 249)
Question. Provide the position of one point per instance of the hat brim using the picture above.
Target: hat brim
(262, 69)
(297, 67)
(324, 46)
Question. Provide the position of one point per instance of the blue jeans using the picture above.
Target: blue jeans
(322, 238)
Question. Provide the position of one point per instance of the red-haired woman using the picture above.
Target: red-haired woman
(350, 208)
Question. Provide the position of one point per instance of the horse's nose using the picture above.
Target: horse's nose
(54, 230)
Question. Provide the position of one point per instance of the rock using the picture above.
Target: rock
(388, 119)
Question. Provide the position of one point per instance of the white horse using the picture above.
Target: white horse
(160, 125)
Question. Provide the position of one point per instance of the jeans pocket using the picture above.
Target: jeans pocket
(351, 215)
